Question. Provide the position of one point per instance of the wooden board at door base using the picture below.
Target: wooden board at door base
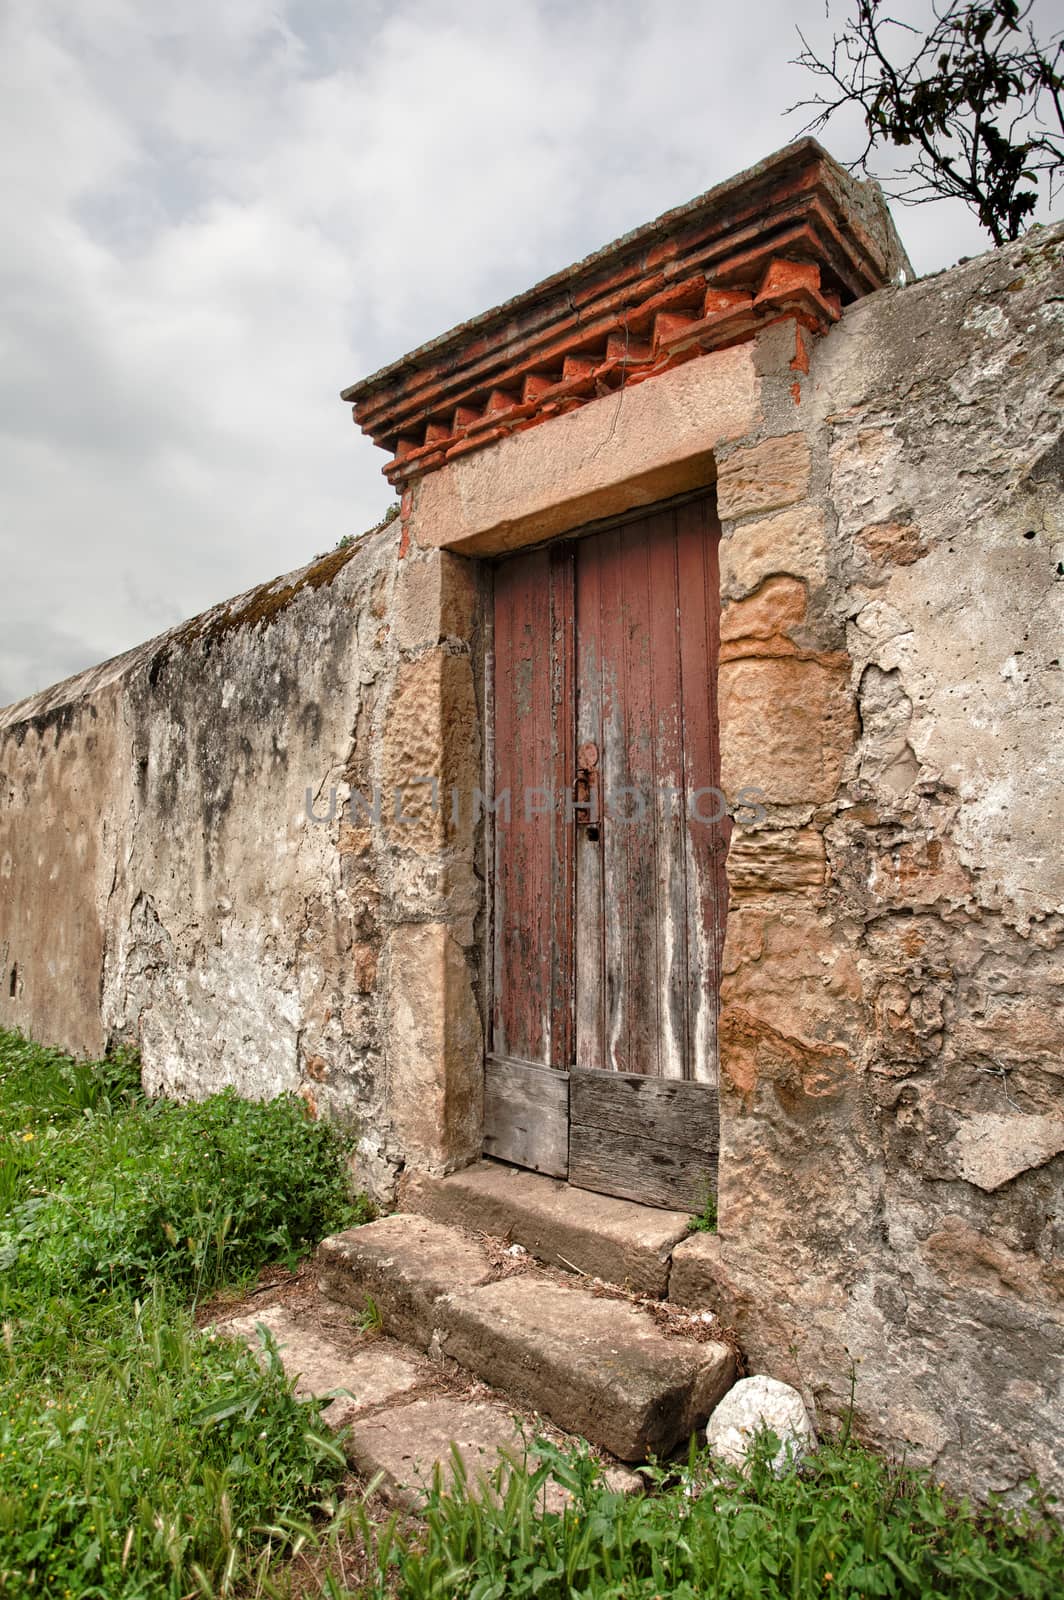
(647, 1139)
(654, 1140)
(526, 1116)
(609, 883)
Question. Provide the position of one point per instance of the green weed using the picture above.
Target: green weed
(705, 1221)
(371, 1320)
(138, 1456)
(847, 1524)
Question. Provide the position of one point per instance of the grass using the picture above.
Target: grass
(846, 1524)
(137, 1456)
(141, 1459)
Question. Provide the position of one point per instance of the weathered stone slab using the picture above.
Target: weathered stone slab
(581, 466)
(615, 1240)
(405, 1443)
(991, 1149)
(597, 1366)
(371, 1373)
(403, 1264)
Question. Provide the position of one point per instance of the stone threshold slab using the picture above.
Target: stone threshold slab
(615, 1240)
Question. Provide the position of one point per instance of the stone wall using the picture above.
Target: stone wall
(162, 883)
(892, 1026)
(893, 1006)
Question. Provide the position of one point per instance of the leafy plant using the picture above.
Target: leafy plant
(705, 1221)
(371, 1320)
(846, 1524)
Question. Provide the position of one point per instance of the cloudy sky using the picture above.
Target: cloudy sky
(218, 213)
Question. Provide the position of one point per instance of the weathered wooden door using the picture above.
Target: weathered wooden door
(609, 840)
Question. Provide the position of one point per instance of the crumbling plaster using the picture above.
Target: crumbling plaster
(892, 1036)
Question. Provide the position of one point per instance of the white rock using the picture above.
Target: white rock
(756, 1405)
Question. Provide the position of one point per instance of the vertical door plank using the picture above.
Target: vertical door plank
(706, 830)
(589, 953)
(518, 1008)
(670, 913)
(634, 818)
(533, 883)
(504, 870)
(605, 549)
(562, 767)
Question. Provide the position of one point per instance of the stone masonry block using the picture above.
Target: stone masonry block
(434, 1047)
(791, 542)
(761, 477)
(786, 726)
(431, 731)
(435, 599)
(773, 861)
(776, 608)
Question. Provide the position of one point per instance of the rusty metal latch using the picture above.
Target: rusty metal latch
(586, 790)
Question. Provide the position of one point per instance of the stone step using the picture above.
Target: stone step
(402, 1265)
(360, 1375)
(384, 1405)
(615, 1240)
(402, 1446)
(595, 1363)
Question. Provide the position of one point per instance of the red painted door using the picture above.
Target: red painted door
(609, 867)
(648, 882)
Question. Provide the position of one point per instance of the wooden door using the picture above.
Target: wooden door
(609, 839)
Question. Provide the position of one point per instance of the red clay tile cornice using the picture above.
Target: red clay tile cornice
(794, 237)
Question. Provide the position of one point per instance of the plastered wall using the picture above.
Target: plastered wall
(893, 1006)
(162, 882)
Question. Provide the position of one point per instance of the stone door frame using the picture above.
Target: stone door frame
(731, 418)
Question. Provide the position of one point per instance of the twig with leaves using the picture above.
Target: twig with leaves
(978, 99)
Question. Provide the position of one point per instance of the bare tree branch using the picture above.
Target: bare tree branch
(973, 98)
